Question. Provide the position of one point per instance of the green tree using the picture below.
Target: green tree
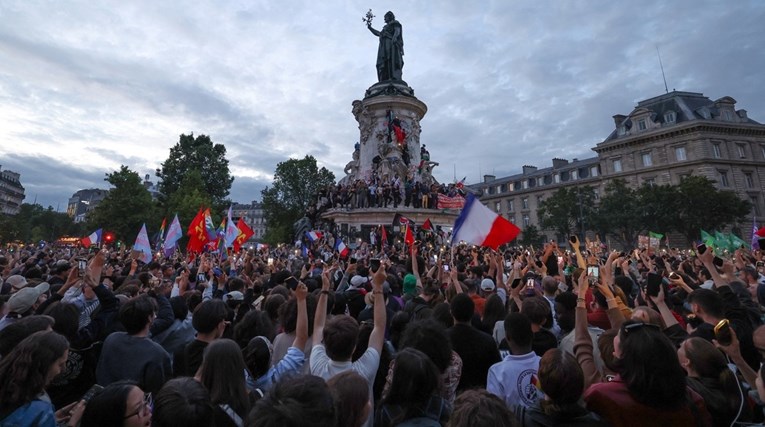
(568, 209)
(34, 223)
(530, 236)
(293, 191)
(699, 204)
(657, 205)
(125, 208)
(619, 213)
(197, 154)
(191, 195)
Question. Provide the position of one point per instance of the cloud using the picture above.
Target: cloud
(92, 86)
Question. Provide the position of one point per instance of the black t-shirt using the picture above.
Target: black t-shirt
(188, 361)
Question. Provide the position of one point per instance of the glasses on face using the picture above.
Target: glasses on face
(639, 325)
(145, 407)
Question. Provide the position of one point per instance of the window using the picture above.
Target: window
(622, 130)
(556, 178)
(526, 220)
(749, 180)
(596, 192)
(728, 115)
(649, 181)
(573, 174)
(539, 200)
(525, 203)
(669, 117)
(762, 148)
(594, 171)
(741, 151)
(525, 184)
(756, 205)
(490, 190)
(724, 179)
(641, 124)
(498, 207)
(499, 189)
(617, 165)
(510, 205)
(511, 217)
(680, 154)
(647, 159)
(716, 151)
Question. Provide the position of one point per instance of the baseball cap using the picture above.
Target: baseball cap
(487, 285)
(235, 296)
(357, 280)
(25, 298)
(16, 281)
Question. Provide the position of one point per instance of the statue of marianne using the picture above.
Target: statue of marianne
(390, 54)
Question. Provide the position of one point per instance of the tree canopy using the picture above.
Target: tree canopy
(34, 223)
(199, 155)
(125, 208)
(568, 209)
(294, 189)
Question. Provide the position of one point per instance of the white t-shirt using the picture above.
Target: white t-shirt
(366, 366)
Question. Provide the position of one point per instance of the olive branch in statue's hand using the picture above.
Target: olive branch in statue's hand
(368, 18)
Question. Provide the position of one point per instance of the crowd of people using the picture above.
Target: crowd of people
(385, 193)
(427, 335)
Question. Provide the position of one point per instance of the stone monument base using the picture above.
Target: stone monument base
(355, 221)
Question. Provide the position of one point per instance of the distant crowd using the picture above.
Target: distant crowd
(387, 335)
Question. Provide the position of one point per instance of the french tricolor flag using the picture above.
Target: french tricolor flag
(314, 235)
(478, 225)
(341, 248)
(93, 239)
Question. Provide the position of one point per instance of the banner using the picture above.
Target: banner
(446, 202)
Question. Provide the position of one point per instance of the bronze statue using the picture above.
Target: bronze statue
(390, 54)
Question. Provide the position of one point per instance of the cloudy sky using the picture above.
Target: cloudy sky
(87, 86)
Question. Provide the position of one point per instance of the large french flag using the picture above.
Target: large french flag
(314, 235)
(478, 225)
(341, 248)
(93, 239)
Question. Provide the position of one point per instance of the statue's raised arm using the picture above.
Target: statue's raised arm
(390, 54)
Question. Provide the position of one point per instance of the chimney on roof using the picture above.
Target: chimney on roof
(527, 169)
(574, 160)
(619, 119)
(559, 163)
(489, 178)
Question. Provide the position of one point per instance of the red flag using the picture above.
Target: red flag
(245, 232)
(408, 237)
(427, 225)
(384, 238)
(197, 233)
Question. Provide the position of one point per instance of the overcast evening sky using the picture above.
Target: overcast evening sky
(87, 86)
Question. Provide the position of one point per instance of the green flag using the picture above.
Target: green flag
(736, 242)
(707, 238)
(722, 242)
(655, 235)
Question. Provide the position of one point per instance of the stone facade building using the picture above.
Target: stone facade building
(84, 201)
(11, 192)
(254, 217)
(663, 140)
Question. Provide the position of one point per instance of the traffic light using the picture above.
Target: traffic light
(109, 237)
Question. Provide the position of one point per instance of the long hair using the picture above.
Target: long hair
(107, 408)
(493, 312)
(24, 371)
(709, 362)
(415, 380)
(351, 393)
(649, 366)
(222, 373)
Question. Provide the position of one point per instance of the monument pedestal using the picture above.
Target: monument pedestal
(388, 150)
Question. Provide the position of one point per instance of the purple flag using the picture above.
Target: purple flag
(174, 233)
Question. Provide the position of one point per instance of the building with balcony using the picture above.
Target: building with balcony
(663, 140)
(11, 192)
